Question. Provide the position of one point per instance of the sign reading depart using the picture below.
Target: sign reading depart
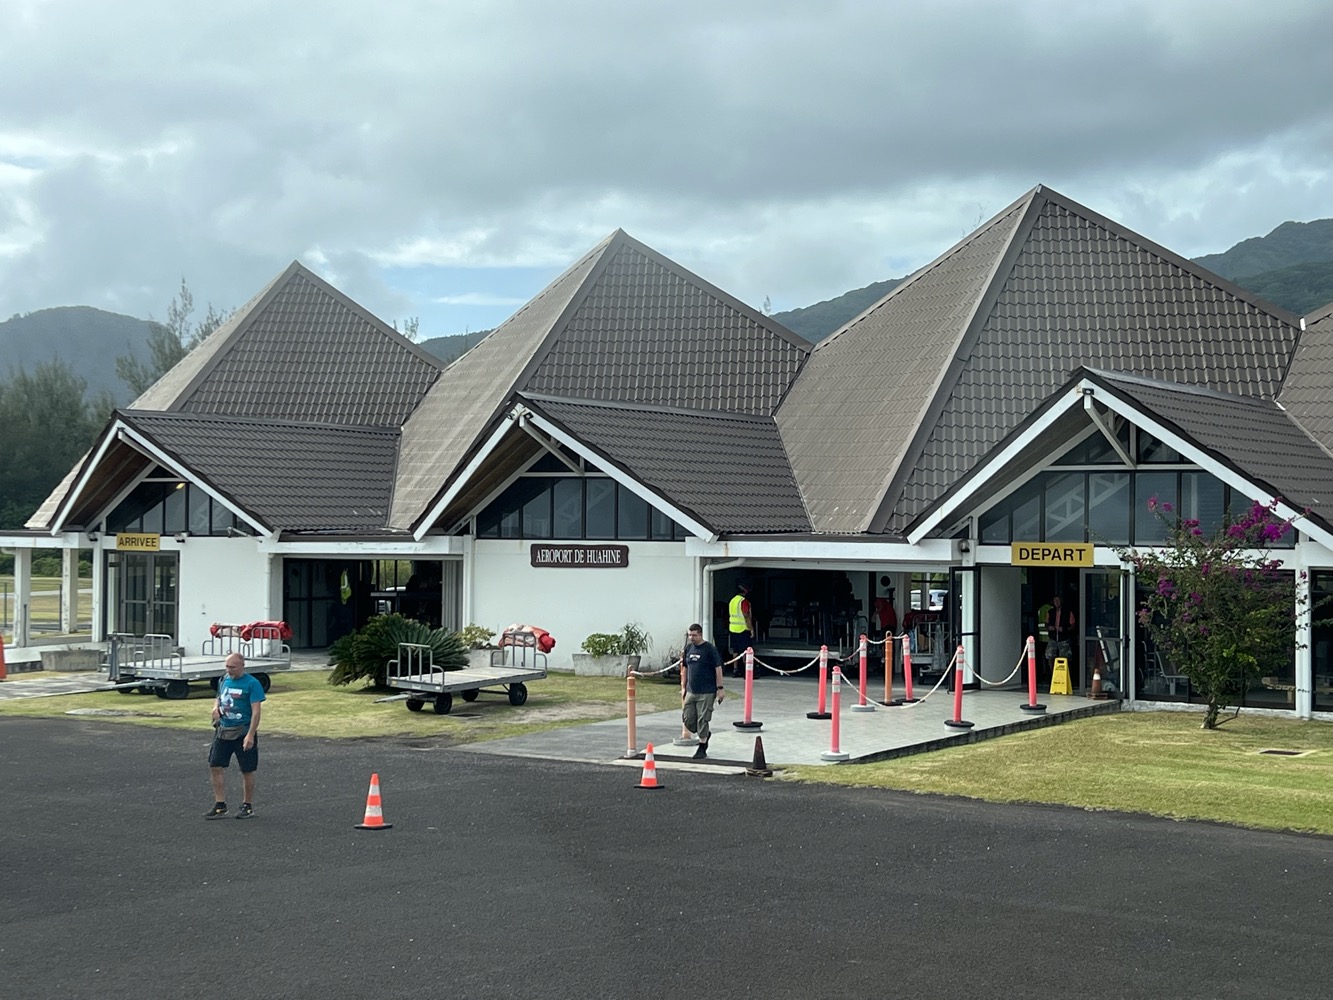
(138, 543)
(1051, 554)
(580, 556)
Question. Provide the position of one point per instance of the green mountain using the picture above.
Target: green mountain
(816, 322)
(1288, 244)
(453, 347)
(1302, 288)
(88, 340)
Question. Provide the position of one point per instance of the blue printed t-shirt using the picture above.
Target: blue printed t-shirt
(235, 698)
(701, 663)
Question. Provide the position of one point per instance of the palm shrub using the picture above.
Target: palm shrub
(365, 653)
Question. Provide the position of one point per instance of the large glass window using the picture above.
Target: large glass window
(632, 515)
(567, 495)
(165, 507)
(573, 507)
(1065, 507)
(600, 519)
(1108, 508)
(1321, 639)
(1149, 529)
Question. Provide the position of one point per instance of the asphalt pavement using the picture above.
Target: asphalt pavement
(514, 877)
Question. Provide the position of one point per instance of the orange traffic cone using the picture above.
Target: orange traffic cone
(649, 779)
(374, 814)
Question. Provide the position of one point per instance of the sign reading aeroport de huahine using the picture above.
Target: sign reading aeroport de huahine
(580, 556)
(1050, 554)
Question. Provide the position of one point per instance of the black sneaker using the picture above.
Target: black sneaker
(246, 811)
(219, 809)
(701, 752)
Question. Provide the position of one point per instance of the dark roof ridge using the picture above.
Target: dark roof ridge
(195, 415)
(1161, 383)
(1320, 314)
(615, 404)
(1170, 256)
(921, 271)
(793, 338)
(964, 341)
(256, 306)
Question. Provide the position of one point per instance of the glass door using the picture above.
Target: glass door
(963, 613)
(1102, 629)
(146, 593)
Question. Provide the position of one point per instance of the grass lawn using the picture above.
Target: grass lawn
(302, 703)
(1159, 763)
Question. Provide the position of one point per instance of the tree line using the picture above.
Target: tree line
(50, 419)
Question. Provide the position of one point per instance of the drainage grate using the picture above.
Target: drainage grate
(1286, 753)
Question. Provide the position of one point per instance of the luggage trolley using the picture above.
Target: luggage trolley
(930, 645)
(154, 664)
(415, 672)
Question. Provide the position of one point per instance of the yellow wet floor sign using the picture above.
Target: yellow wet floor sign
(1060, 677)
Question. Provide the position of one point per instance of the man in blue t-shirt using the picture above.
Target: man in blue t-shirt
(700, 686)
(235, 732)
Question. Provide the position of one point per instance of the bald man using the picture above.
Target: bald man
(235, 733)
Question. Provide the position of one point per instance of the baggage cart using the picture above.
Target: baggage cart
(414, 673)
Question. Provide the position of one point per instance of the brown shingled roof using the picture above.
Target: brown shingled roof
(951, 361)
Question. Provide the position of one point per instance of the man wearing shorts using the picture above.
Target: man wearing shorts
(235, 733)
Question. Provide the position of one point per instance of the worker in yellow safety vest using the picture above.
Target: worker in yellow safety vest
(740, 625)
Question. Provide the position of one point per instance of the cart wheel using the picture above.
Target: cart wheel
(518, 694)
(264, 681)
(126, 690)
(213, 683)
(413, 705)
(176, 690)
(471, 694)
(161, 692)
(443, 702)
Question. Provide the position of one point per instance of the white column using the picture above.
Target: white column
(22, 595)
(1304, 661)
(99, 592)
(69, 590)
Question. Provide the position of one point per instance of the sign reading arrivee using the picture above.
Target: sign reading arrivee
(126, 542)
(1051, 554)
(580, 556)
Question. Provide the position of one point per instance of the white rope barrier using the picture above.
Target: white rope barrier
(1022, 658)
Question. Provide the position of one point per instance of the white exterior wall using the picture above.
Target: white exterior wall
(657, 589)
(223, 580)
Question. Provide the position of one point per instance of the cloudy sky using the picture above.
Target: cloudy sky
(445, 159)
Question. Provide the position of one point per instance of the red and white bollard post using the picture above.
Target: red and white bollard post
(959, 665)
(908, 698)
(748, 722)
(822, 711)
(862, 705)
(1031, 704)
(835, 751)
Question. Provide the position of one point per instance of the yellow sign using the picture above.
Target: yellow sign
(138, 543)
(1051, 554)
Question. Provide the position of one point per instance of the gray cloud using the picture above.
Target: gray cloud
(793, 150)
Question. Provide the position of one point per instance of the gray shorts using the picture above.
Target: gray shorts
(697, 712)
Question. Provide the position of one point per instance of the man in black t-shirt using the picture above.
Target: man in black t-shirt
(700, 686)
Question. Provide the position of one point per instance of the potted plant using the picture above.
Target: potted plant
(613, 654)
(479, 644)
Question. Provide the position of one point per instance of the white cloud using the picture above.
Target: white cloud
(789, 150)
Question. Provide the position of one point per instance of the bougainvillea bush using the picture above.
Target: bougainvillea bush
(1219, 606)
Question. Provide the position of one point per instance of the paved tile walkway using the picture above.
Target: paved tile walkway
(789, 737)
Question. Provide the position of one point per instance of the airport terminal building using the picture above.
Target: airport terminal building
(634, 442)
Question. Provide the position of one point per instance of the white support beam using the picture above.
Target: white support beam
(69, 591)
